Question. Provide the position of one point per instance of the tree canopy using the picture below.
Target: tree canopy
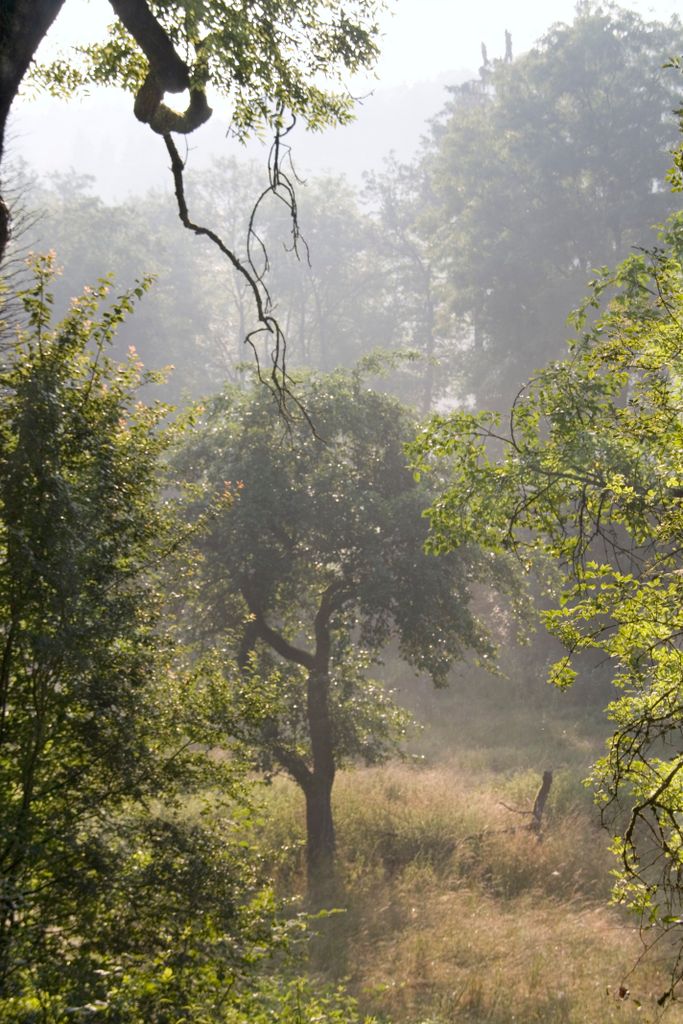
(319, 564)
(543, 169)
(588, 478)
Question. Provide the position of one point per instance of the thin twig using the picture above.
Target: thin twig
(278, 379)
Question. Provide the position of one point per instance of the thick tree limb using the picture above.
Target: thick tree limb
(149, 109)
(271, 636)
(168, 72)
(292, 764)
(23, 25)
(258, 627)
(330, 601)
(283, 647)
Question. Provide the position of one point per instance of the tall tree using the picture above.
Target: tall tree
(542, 170)
(317, 565)
(337, 299)
(589, 475)
(412, 280)
(186, 321)
(85, 662)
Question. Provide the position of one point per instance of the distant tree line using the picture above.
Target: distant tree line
(533, 176)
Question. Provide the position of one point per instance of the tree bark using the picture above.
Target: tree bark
(317, 777)
(320, 841)
(428, 393)
(540, 801)
(23, 26)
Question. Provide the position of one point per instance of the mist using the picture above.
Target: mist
(340, 532)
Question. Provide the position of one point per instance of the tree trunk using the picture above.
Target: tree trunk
(317, 777)
(320, 838)
(540, 801)
(320, 843)
(23, 25)
(428, 393)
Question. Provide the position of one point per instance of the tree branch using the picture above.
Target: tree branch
(274, 639)
(638, 809)
(278, 375)
(293, 764)
(168, 72)
(330, 602)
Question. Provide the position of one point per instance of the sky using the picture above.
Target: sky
(426, 37)
(426, 44)
(421, 38)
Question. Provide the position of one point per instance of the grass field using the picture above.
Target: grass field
(454, 913)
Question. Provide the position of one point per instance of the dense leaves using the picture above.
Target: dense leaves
(127, 887)
(316, 567)
(79, 525)
(588, 477)
(333, 508)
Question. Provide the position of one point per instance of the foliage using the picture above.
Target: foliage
(541, 170)
(115, 899)
(588, 475)
(315, 567)
(536, 173)
(264, 59)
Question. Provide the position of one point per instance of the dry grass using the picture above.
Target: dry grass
(455, 914)
(467, 957)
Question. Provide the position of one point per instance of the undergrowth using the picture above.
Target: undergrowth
(453, 912)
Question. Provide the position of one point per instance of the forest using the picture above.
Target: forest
(341, 537)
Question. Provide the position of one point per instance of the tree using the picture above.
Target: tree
(589, 477)
(313, 569)
(111, 901)
(411, 278)
(185, 318)
(542, 170)
(336, 299)
(266, 61)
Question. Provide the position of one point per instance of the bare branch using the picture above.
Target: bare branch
(278, 380)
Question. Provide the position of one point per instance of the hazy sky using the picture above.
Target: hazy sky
(426, 45)
(421, 37)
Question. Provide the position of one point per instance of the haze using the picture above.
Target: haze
(426, 46)
(307, 492)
